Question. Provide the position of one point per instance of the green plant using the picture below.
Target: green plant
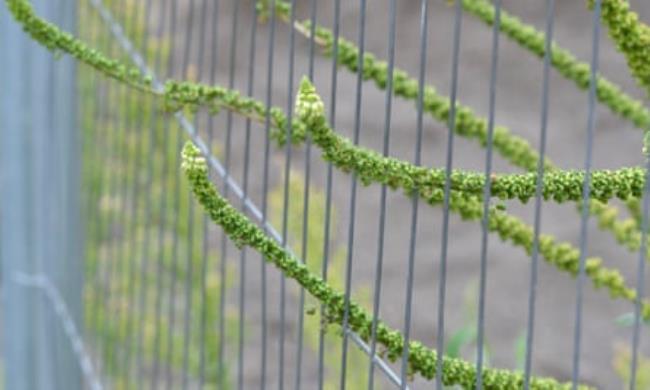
(528, 37)
(357, 360)
(122, 233)
(422, 360)
(370, 167)
(622, 362)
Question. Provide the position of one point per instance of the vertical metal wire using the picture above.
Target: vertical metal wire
(640, 281)
(285, 201)
(247, 145)
(105, 228)
(532, 286)
(176, 211)
(486, 197)
(265, 189)
(120, 153)
(163, 210)
(224, 246)
(305, 224)
(71, 283)
(307, 179)
(329, 182)
(382, 208)
(187, 340)
(105, 231)
(591, 123)
(242, 267)
(14, 226)
(39, 220)
(451, 125)
(353, 195)
(206, 233)
(143, 294)
(111, 143)
(52, 182)
(102, 155)
(125, 160)
(62, 192)
(124, 121)
(117, 220)
(187, 312)
(160, 240)
(136, 195)
(416, 196)
(313, 16)
(176, 208)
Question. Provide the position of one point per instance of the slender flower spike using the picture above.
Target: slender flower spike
(372, 167)
(422, 360)
(566, 64)
(631, 36)
(510, 146)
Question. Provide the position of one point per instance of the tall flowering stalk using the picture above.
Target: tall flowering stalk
(371, 167)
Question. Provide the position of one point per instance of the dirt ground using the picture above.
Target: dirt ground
(617, 144)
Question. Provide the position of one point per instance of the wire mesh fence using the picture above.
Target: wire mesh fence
(339, 249)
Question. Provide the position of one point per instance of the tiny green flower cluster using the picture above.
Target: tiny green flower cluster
(182, 94)
(370, 167)
(311, 111)
(50, 36)
(563, 61)
(626, 232)
(563, 256)
(632, 37)
(282, 8)
(513, 148)
(309, 106)
(191, 94)
(422, 360)
(54, 39)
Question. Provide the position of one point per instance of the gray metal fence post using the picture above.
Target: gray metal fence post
(39, 203)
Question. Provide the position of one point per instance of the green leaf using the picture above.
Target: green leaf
(461, 338)
(520, 351)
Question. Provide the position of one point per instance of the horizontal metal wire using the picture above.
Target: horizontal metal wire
(44, 284)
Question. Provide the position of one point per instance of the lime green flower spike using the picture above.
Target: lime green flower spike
(422, 359)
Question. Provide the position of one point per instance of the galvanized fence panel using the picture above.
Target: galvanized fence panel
(114, 276)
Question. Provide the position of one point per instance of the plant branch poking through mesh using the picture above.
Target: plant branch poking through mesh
(310, 111)
(371, 167)
(528, 37)
(187, 94)
(511, 147)
(422, 360)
